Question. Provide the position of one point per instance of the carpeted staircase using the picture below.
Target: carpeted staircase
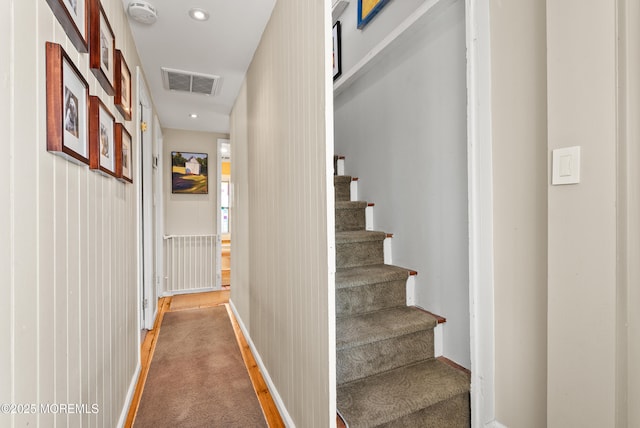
(386, 371)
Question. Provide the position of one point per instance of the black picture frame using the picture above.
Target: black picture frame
(337, 50)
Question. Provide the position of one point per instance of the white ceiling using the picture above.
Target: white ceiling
(223, 45)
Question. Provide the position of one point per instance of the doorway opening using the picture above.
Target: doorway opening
(224, 223)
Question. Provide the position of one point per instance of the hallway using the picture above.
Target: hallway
(190, 302)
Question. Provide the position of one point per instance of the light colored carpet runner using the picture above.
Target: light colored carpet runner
(386, 371)
(197, 377)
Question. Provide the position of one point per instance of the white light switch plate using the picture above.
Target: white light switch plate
(566, 166)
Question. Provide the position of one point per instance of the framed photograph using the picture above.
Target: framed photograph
(67, 106)
(337, 51)
(367, 9)
(123, 86)
(189, 173)
(124, 171)
(72, 15)
(102, 147)
(102, 47)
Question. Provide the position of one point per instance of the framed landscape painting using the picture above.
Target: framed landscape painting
(189, 172)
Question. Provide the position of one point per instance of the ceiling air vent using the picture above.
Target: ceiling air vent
(186, 81)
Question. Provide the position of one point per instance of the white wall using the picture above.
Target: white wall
(6, 208)
(357, 43)
(582, 255)
(69, 277)
(187, 214)
(290, 309)
(402, 128)
(519, 111)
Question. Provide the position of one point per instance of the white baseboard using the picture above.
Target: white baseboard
(286, 417)
(130, 392)
(495, 424)
(189, 291)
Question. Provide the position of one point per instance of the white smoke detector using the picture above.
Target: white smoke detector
(142, 11)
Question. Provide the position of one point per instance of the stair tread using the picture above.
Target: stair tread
(342, 179)
(357, 330)
(346, 205)
(371, 274)
(388, 396)
(359, 236)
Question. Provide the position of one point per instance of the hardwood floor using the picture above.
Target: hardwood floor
(195, 301)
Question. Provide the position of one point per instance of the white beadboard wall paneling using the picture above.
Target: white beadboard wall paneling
(240, 208)
(67, 247)
(6, 208)
(289, 297)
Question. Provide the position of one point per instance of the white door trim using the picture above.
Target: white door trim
(219, 144)
(480, 176)
(145, 226)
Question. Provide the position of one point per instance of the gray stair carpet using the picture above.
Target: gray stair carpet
(387, 375)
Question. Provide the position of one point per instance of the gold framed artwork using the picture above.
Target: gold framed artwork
(67, 106)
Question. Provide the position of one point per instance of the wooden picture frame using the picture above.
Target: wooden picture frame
(67, 106)
(122, 98)
(124, 153)
(367, 9)
(102, 47)
(72, 15)
(337, 50)
(102, 147)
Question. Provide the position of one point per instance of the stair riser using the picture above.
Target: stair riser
(451, 413)
(342, 191)
(373, 358)
(350, 219)
(370, 297)
(351, 254)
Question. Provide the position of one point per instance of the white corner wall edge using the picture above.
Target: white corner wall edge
(132, 389)
(286, 417)
(388, 43)
(480, 184)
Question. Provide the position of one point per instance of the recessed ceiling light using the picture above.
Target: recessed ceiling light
(198, 14)
(193, 116)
